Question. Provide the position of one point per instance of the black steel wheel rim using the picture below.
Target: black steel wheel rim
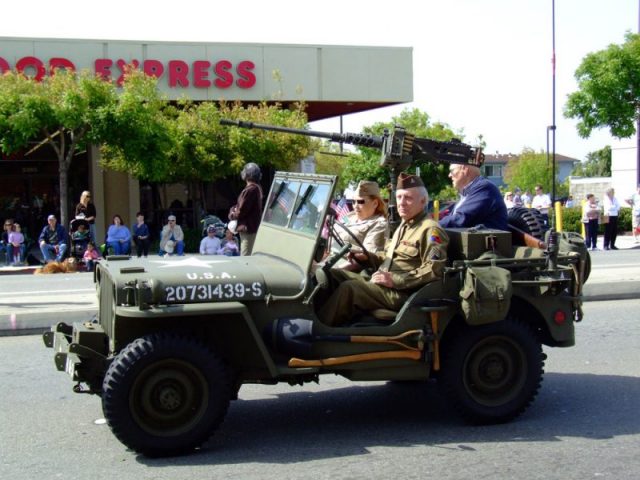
(495, 371)
(169, 397)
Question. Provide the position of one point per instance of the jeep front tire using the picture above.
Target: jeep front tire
(165, 394)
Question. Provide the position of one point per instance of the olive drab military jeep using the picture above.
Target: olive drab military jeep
(175, 339)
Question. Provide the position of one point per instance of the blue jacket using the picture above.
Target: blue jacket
(61, 235)
(140, 231)
(117, 233)
(479, 204)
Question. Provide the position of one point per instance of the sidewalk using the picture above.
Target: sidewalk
(614, 281)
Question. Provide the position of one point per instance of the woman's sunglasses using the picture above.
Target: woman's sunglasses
(360, 201)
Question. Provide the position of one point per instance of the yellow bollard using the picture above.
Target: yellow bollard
(436, 210)
(558, 209)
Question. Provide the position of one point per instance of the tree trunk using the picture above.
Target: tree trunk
(64, 202)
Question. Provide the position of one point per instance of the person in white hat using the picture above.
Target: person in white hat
(171, 238)
(210, 244)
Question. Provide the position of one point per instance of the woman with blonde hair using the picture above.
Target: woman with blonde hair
(368, 221)
(87, 210)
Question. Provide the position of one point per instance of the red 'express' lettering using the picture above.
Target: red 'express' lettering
(200, 74)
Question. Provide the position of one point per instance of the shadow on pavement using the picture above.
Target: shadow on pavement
(306, 426)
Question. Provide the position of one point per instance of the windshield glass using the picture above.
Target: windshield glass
(280, 204)
(308, 213)
(298, 206)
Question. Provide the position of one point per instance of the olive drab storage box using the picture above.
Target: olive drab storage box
(469, 243)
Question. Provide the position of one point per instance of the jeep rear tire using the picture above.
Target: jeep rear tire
(165, 394)
(492, 373)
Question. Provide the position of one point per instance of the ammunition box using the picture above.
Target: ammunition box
(469, 243)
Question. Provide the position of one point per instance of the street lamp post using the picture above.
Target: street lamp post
(552, 127)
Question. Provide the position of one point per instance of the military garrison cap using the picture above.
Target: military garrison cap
(406, 180)
(368, 188)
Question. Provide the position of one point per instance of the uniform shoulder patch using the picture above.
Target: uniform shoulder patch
(434, 236)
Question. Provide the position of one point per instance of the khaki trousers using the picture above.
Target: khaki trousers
(354, 294)
(246, 243)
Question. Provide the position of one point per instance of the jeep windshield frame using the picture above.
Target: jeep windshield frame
(294, 216)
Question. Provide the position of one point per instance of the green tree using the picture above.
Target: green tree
(61, 110)
(194, 147)
(137, 135)
(528, 170)
(609, 90)
(597, 164)
(366, 165)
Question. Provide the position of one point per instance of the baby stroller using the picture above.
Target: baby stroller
(216, 222)
(79, 238)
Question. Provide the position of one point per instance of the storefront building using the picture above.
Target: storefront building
(332, 80)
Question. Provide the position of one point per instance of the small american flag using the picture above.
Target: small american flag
(285, 199)
(342, 210)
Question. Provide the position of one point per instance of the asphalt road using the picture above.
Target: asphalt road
(583, 424)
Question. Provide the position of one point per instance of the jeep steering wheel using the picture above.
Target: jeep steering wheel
(335, 257)
(334, 234)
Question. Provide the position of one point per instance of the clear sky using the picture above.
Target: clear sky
(483, 66)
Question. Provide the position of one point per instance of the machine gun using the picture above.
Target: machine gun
(399, 150)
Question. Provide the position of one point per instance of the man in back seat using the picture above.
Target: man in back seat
(480, 201)
(415, 256)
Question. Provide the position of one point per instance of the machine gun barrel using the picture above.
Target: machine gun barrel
(360, 139)
(399, 150)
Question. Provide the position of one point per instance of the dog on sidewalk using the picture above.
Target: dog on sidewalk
(70, 265)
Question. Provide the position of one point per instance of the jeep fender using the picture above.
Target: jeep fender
(205, 317)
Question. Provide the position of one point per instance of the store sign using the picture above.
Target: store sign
(178, 73)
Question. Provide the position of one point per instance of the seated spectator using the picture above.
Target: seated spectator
(7, 248)
(141, 235)
(171, 238)
(53, 240)
(119, 237)
(16, 239)
(210, 244)
(229, 245)
(90, 256)
(81, 236)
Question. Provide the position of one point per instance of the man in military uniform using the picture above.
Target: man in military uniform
(416, 255)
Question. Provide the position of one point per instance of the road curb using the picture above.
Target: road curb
(611, 291)
(32, 323)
